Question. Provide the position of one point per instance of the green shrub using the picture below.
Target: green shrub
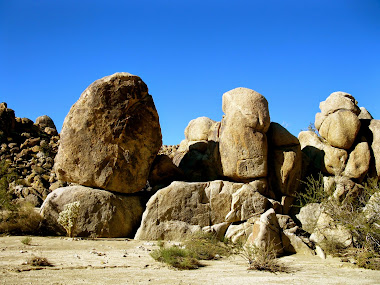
(23, 219)
(176, 257)
(207, 246)
(26, 241)
(312, 191)
(68, 217)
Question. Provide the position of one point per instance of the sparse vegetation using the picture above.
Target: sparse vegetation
(38, 261)
(176, 257)
(200, 246)
(26, 241)
(206, 246)
(351, 214)
(312, 191)
(68, 217)
(262, 258)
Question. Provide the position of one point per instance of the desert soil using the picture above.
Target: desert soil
(125, 261)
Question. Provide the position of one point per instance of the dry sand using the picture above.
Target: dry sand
(122, 261)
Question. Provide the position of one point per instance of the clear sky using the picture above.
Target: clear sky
(190, 52)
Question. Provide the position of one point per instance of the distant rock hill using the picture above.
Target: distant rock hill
(29, 149)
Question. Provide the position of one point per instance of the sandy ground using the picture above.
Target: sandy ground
(123, 261)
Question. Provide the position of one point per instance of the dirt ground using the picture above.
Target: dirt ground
(124, 261)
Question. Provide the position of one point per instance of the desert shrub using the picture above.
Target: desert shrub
(176, 257)
(312, 191)
(350, 214)
(38, 261)
(207, 246)
(199, 246)
(68, 217)
(26, 241)
(262, 258)
(22, 219)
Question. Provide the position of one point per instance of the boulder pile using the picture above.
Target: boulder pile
(237, 178)
(29, 149)
(109, 141)
(345, 149)
(234, 172)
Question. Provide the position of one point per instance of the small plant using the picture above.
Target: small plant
(68, 217)
(313, 191)
(38, 261)
(22, 219)
(262, 258)
(26, 241)
(176, 257)
(207, 246)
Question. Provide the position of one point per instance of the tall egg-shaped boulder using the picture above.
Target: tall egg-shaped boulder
(110, 136)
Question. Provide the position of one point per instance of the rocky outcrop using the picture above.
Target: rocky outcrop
(243, 142)
(284, 160)
(202, 204)
(110, 136)
(101, 213)
(29, 149)
(198, 154)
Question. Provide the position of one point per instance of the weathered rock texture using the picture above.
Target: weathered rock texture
(29, 149)
(111, 136)
(199, 204)
(346, 151)
(243, 142)
(101, 214)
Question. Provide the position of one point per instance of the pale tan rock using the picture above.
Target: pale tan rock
(309, 215)
(294, 244)
(110, 136)
(246, 202)
(266, 232)
(340, 129)
(101, 213)
(358, 161)
(248, 107)
(335, 159)
(243, 153)
(190, 205)
(319, 118)
(45, 122)
(279, 136)
(199, 129)
(239, 233)
(309, 138)
(375, 129)
(218, 230)
(338, 101)
(328, 231)
(364, 114)
(243, 143)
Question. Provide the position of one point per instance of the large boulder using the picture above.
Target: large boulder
(199, 129)
(358, 161)
(110, 136)
(284, 161)
(266, 232)
(375, 129)
(101, 213)
(199, 204)
(340, 128)
(243, 143)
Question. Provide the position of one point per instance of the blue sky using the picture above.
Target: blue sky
(189, 53)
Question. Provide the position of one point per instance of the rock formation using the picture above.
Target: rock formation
(101, 213)
(110, 136)
(29, 149)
